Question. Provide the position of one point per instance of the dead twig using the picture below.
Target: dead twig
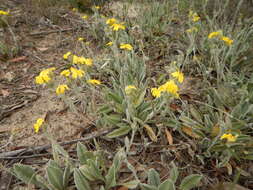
(13, 154)
(51, 31)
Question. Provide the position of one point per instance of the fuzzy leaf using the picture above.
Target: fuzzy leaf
(80, 181)
(27, 175)
(81, 153)
(55, 175)
(195, 114)
(140, 99)
(59, 149)
(174, 173)
(118, 159)
(153, 178)
(147, 187)
(131, 184)
(85, 169)
(167, 185)
(66, 175)
(95, 170)
(110, 178)
(190, 181)
(115, 97)
(119, 132)
(113, 119)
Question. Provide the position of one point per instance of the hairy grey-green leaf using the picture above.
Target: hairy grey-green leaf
(27, 175)
(190, 182)
(80, 181)
(131, 184)
(167, 185)
(119, 132)
(153, 178)
(55, 175)
(81, 153)
(174, 173)
(110, 178)
(86, 171)
(66, 175)
(147, 187)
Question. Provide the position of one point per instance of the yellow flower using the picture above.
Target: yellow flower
(191, 30)
(97, 7)
(88, 62)
(4, 12)
(171, 88)
(129, 89)
(61, 89)
(75, 59)
(84, 17)
(126, 46)
(194, 16)
(38, 124)
(65, 73)
(179, 76)
(229, 137)
(156, 92)
(227, 40)
(109, 44)
(111, 21)
(76, 73)
(117, 27)
(39, 80)
(66, 55)
(74, 9)
(94, 81)
(82, 60)
(44, 76)
(215, 34)
(80, 39)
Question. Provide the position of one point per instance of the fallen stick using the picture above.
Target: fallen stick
(51, 31)
(7, 155)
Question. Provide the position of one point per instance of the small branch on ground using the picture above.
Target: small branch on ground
(13, 154)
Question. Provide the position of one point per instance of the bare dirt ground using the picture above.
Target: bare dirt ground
(22, 102)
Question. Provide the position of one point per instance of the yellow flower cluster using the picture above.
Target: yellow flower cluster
(109, 44)
(82, 60)
(178, 75)
(84, 17)
(218, 34)
(215, 34)
(44, 76)
(80, 39)
(94, 82)
(78, 60)
(66, 55)
(38, 124)
(4, 12)
(75, 73)
(61, 89)
(229, 137)
(113, 23)
(227, 40)
(126, 47)
(129, 89)
(192, 29)
(194, 16)
(169, 87)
